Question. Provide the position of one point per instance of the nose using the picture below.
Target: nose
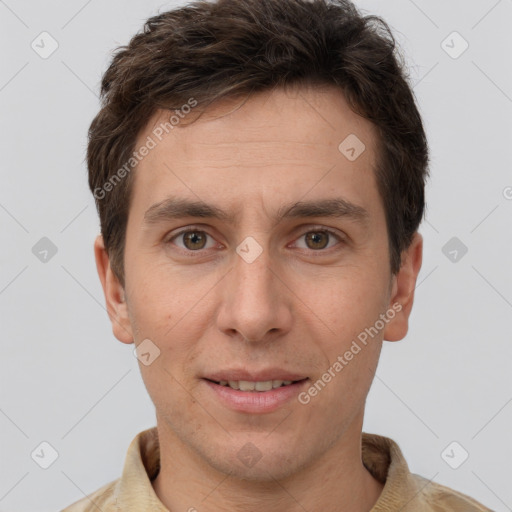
(256, 304)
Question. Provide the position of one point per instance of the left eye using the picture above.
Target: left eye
(318, 240)
(193, 240)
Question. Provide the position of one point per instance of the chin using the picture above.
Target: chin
(249, 463)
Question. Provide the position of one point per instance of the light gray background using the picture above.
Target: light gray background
(66, 380)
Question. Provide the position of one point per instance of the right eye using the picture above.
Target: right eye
(192, 240)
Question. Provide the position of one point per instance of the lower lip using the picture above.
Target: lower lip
(256, 401)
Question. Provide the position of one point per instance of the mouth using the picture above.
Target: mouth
(256, 386)
(255, 391)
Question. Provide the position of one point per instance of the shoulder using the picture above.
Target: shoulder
(441, 498)
(142, 463)
(103, 499)
(406, 491)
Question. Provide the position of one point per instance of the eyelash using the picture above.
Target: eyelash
(315, 229)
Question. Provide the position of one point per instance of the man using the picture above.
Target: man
(259, 170)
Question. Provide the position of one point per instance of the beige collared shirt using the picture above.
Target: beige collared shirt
(403, 491)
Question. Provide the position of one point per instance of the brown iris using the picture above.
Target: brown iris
(194, 240)
(317, 239)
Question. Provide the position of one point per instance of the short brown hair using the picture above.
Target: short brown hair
(214, 50)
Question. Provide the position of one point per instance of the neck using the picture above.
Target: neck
(337, 480)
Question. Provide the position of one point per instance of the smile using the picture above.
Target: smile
(245, 385)
(255, 397)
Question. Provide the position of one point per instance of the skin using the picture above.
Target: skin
(294, 307)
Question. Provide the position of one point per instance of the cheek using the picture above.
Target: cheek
(165, 301)
(174, 314)
(345, 302)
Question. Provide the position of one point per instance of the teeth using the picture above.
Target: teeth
(263, 386)
(244, 385)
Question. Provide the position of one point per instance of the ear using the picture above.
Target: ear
(404, 283)
(114, 294)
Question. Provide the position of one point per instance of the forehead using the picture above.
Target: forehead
(313, 117)
(292, 143)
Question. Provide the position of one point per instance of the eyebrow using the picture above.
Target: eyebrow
(176, 208)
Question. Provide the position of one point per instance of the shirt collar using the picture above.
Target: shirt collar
(385, 461)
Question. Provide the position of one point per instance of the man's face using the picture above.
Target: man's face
(280, 282)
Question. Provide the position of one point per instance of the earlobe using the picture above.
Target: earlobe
(404, 284)
(115, 299)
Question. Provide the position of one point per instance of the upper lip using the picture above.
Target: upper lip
(254, 376)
